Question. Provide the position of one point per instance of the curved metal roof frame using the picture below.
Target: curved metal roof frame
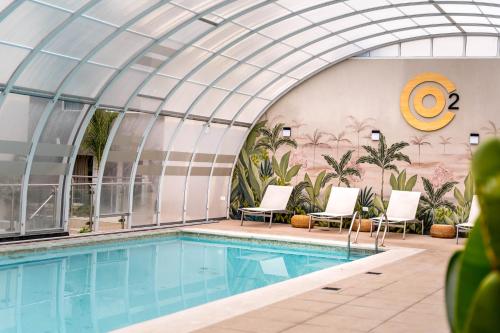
(451, 11)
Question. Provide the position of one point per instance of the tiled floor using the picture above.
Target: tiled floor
(406, 297)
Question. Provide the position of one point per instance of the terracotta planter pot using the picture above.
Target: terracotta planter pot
(365, 225)
(443, 231)
(300, 221)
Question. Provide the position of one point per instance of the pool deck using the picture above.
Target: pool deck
(406, 297)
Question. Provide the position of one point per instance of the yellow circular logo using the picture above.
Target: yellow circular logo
(431, 118)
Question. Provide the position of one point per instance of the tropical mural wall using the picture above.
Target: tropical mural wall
(332, 116)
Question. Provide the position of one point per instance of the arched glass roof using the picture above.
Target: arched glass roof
(193, 74)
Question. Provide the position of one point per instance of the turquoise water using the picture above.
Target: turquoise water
(108, 286)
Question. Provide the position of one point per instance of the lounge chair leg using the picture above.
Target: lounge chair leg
(371, 227)
(385, 231)
(242, 217)
(310, 222)
(378, 228)
(341, 222)
(271, 220)
(404, 231)
(457, 234)
(422, 228)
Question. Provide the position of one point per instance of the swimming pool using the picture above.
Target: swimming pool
(106, 286)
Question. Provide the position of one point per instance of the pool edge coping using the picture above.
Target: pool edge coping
(211, 313)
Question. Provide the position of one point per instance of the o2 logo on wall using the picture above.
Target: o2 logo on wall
(430, 117)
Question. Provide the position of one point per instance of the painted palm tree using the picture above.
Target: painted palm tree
(97, 134)
(341, 168)
(357, 126)
(384, 157)
(316, 140)
(341, 137)
(444, 141)
(491, 129)
(272, 139)
(420, 141)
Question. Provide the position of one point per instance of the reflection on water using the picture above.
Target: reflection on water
(104, 289)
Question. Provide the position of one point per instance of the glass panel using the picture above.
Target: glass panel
(262, 16)
(176, 171)
(11, 58)
(145, 104)
(236, 76)
(19, 115)
(159, 86)
(79, 38)
(50, 164)
(121, 90)
(118, 168)
(341, 53)
(482, 46)
(232, 106)
(285, 27)
(221, 36)
(149, 170)
(209, 102)
(449, 46)
(270, 54)
(182, 64)
(376, 41)
(388, 51)
(221, 174)
(45, 72)
(161, 20)
(308, 68)
(212, 70)
(277, 88)
(88, 80)
(290, 62)
(259, 81)
(29, 23)
(248, 46)
(196, 202)
(418, 48)
(252, 110)
(324, 45)
(120, 49)
(71, 5)
(118, 11)
(183, 97)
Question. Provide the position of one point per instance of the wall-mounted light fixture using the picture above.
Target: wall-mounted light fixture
(375, 135)
(287, 132)
(474, 138)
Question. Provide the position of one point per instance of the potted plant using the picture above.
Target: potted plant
(365, 209)
(443, 226)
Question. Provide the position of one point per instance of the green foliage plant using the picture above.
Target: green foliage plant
(432, 200)
(272, 139)
(283, 172)
(364, 204)
(473, 277)
(317, 198)
(97, 133)
(341, 169)
(400, 183)
(384, 157)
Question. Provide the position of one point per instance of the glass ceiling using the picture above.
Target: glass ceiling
(209, 61)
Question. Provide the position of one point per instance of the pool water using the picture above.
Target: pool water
(104, 287)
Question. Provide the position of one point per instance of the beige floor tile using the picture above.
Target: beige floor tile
(249, 324)
(326, 296)
(279, 314)
(319, 329)
(305, 305)
(337, 322)
(381, 303)
(396, 327)
(217, 329)
(364, 312)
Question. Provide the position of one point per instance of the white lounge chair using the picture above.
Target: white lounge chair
(402, 210)
(473, 215)
(341, 203)
(274, 201)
